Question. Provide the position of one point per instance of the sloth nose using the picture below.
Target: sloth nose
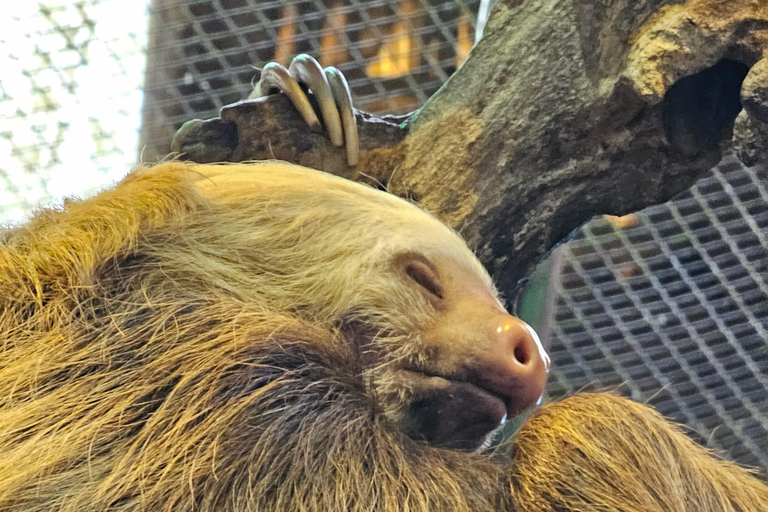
(520, 342)
(517, 363)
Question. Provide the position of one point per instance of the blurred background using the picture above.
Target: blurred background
(70, 98)
(668, 306)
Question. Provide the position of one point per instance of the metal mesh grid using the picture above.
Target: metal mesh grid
(203, 54)
(70, 98)
(674, 311)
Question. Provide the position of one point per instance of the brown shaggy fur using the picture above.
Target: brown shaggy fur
(174, 344)
(603, 453)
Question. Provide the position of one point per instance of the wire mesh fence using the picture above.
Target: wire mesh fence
(674, 310)
(70, 98)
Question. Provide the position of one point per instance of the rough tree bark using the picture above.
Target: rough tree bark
(565, 109)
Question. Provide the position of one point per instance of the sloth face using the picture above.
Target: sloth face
(439, 353)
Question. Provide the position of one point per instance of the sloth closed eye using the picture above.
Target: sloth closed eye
(425, 277)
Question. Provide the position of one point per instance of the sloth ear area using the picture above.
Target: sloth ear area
(330, 90)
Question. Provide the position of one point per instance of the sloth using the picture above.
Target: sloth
(201, 332)
(265, 337)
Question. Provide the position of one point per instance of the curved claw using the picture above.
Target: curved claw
(331, 91)
(275, 76)
(306, 69)
(343, 98)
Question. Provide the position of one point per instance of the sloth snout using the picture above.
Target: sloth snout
(516, 363)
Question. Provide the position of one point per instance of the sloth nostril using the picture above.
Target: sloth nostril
(521, 354)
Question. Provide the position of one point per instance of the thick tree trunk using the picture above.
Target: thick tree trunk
(564, 110)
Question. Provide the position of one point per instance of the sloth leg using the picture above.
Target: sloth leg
(329, 87)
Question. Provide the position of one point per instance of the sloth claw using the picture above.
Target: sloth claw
(275, 76)
(343, 98)
(306, 69)
(331, 91)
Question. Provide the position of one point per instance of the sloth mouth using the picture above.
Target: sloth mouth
(451, 412)
(483, 382)
(456, 411)
(481, 387)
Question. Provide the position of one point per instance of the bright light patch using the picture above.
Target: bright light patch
(70, 98)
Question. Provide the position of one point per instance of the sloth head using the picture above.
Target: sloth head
(437, 350)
